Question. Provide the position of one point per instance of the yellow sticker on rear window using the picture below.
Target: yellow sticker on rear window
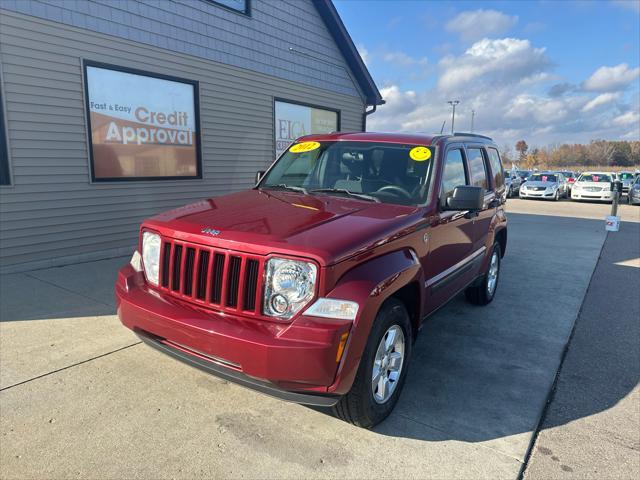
(304, 147)
(420, 154)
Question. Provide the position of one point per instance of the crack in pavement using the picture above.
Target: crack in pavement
(69, 366)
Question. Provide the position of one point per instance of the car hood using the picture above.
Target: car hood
(540, 184)
(327, 228)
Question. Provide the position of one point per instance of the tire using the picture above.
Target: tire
(359, 407)
(482, 293)
(556, 197)
(510, 192)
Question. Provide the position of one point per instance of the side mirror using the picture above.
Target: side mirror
(259, 176)
(466, 197)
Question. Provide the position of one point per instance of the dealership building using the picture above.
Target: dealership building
(112, 111)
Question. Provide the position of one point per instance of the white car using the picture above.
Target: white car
(593, 186)
(545, 185)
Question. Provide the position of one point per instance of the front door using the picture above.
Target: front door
(450, 236)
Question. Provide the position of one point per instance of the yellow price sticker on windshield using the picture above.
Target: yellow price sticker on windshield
(420, 154)
(304, 147)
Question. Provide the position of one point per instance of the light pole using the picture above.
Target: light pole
(473, 115)
(453, 103)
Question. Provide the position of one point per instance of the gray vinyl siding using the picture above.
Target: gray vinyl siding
(260, 42)
(52, 214)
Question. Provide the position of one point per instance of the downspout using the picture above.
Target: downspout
(365, 115)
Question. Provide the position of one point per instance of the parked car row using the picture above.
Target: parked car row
(554, 185)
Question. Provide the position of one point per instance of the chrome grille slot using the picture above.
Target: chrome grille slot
(233, 278)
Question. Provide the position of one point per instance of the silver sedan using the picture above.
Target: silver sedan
(545, 185)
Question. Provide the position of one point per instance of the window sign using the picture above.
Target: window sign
(142, 126)
(294, 120)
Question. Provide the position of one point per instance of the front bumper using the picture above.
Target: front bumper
(293, 361)
(537, 194)
(606, 196)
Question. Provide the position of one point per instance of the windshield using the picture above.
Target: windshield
(542, 177)
(374, 171)
(595, 177)
(626, 176)
(567, 174)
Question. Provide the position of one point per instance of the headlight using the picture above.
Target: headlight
(290, 285)
(151, 256)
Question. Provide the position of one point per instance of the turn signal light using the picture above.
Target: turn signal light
(341, 345)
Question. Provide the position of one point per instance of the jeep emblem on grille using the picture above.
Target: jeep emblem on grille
(211, 231)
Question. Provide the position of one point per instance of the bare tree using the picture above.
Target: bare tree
(522, 147)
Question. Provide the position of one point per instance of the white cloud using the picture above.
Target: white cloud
(505, 81)
(475, 24)
(629, 118)
(489, 62)
(609, 79)
(404, 60)
(602, 99)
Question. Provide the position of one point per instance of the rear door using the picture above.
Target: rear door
(450, 235)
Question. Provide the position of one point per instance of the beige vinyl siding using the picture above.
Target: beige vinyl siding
(52, 213)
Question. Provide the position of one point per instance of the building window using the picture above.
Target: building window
(240, 6)
(5, 177)
(293, 120)
(142, 126)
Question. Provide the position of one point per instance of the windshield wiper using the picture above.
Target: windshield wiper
(284, 186)
(362, 196)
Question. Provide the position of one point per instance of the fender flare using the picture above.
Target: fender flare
(370, 284)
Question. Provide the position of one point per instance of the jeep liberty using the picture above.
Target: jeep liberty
(312, 286)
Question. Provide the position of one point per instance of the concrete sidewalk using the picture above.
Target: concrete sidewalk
(81, 398)
(592, 425)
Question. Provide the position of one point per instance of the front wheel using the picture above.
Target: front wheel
(383, 368)
(483, 292)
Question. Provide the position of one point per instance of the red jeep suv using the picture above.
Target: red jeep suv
(312, 285)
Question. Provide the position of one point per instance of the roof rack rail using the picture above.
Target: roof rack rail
(465, 134)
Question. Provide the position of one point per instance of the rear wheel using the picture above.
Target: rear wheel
(382, 370)
(485, 290)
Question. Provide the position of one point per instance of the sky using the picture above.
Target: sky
(548, 71)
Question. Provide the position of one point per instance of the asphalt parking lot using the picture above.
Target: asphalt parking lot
(81, 398)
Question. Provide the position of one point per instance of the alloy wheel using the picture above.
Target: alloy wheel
(492, 274)
(387, 365)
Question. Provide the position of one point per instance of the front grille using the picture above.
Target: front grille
(539, 189)
(593, 189)
(212, 277)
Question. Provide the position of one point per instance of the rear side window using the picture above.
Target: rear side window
(477, 170)
(496, 168)
(453, 174)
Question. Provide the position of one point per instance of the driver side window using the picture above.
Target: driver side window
(453, 173)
